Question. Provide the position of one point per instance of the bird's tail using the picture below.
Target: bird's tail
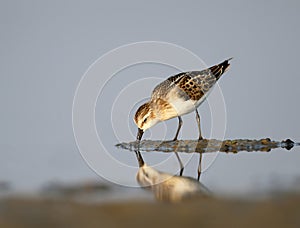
(219, 69)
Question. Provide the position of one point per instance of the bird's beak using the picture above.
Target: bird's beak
(137, 152)
(139, 134)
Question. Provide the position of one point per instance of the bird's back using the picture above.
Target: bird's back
(191, 85)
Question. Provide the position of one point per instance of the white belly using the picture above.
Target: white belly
(183, 107)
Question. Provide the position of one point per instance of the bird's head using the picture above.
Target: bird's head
(144, 118)
(147, 176)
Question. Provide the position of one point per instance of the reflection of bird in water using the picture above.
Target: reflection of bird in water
(178, 95)
(167, 187)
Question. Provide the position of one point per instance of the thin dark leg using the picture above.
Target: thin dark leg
(178, 129)
(139, 158)
(180, 163)
(199, 166)
(198, 122)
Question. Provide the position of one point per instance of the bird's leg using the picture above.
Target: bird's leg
(139, 134)
(178, 129)
(199, 166)
(139, 158)
(180, 163)
(198, 122)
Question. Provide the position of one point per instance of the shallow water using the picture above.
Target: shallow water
(227, 147)
(267, 167)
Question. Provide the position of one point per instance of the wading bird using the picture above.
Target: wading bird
(178, 95)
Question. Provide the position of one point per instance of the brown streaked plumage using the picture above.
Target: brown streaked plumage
(178, 95)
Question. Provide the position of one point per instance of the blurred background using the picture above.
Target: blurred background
(47, 46)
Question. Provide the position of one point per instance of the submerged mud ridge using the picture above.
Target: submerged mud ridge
(209, 145)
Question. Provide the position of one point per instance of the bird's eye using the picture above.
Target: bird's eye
(145, 120)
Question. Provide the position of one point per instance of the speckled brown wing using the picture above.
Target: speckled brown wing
(197, 83)
(162, 89)
(194, 84)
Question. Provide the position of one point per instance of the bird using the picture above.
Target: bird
(178, 95)
(167, 187)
